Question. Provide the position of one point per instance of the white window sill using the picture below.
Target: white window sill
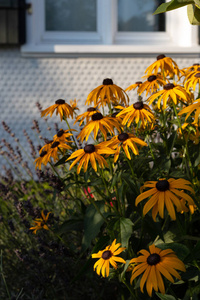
(105, 50)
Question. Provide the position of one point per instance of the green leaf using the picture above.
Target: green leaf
(193, 14)
(165, 297)
(70, 225)
(197, 3)
(126, 226)
(93, 221)
(173, 4)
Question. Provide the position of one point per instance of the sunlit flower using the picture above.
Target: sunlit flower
(61, 108)
(40, 222)
(170, 92)
(189, 110)
(188, 70)
(135, 113)
(125, 140)
(137, 84)
(165, 193)
(152, 84)
(99, 122)
(44, 158)
(56, 147)
(106, 257)
(46, 147)
(164, 65)
(90, 153)
(86, 115)
(154, 264)
(193, 80)
(106, 93)
(63, 136)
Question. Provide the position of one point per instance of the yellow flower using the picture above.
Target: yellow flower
(137, 84)
(171, 92)
(153, 264)
(86, 115)
(188, 70)
(90, 153)
(166, 65)
(62, 108)
(165, 193)
(99, 122)
(108, 256)
(55, 147)
(40, 222)
(106, 93)
(152, 84)
(192, 81)
(125, 140)
(42, 159)
(63, 135)
(74, 104)
(137, 112)
(190, 108)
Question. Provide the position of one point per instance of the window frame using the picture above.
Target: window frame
(179, 35)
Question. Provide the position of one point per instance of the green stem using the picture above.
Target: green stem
(71, 132)
(128, 287)
(3, 277)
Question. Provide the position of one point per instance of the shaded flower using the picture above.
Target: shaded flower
(165, 193)
(125, 140)
(42, 159)
(106, 257)
(170, 92)
(55, 147)
(90, 153)
(63, 135)
(99, 122)
(86, 115)
(135, 113)
(154, 264)
(88, 193)
(61, 108)
(107, 93)
(166, 66)
(74, 104)
(152, 84)
(40, 222)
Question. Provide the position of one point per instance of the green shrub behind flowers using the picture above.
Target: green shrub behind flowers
(129, 203)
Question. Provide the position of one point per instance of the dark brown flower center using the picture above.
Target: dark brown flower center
(91, 109)
(55, 144)
(153, 259)
(196, 64)
(123, 136)
(43, 153)
(169, 86)
(160, 56)
(162, 185)
(106, 254)
(138, 82)
(97, 116)
(197, 75)
(60, 133)
(107, 81)
(90, 148)
(114, 114)
(60, 101)
(138, 105)
(152, 78)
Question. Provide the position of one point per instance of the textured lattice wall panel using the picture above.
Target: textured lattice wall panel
(25, 81)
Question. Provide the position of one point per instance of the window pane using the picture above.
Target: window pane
(137, 15)
(70, 15)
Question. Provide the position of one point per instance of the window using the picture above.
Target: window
(106, 26)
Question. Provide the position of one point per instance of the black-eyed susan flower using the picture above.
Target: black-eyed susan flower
(40, 223)
(42, 159)
(86, 115)
(131, 87)
(61, 108)
(125, 140)
(189, 110)
(152, 84)
(137, 112)
(106, 257)
(192, 81)
(188, 70)
(170, 92)
(165, 193)
(154, 264)
(99, 122)
(164, 65)
(63, 135)
(46, 147)
(105, 94)
(90, 153)
(74, 104)
(55, 147)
